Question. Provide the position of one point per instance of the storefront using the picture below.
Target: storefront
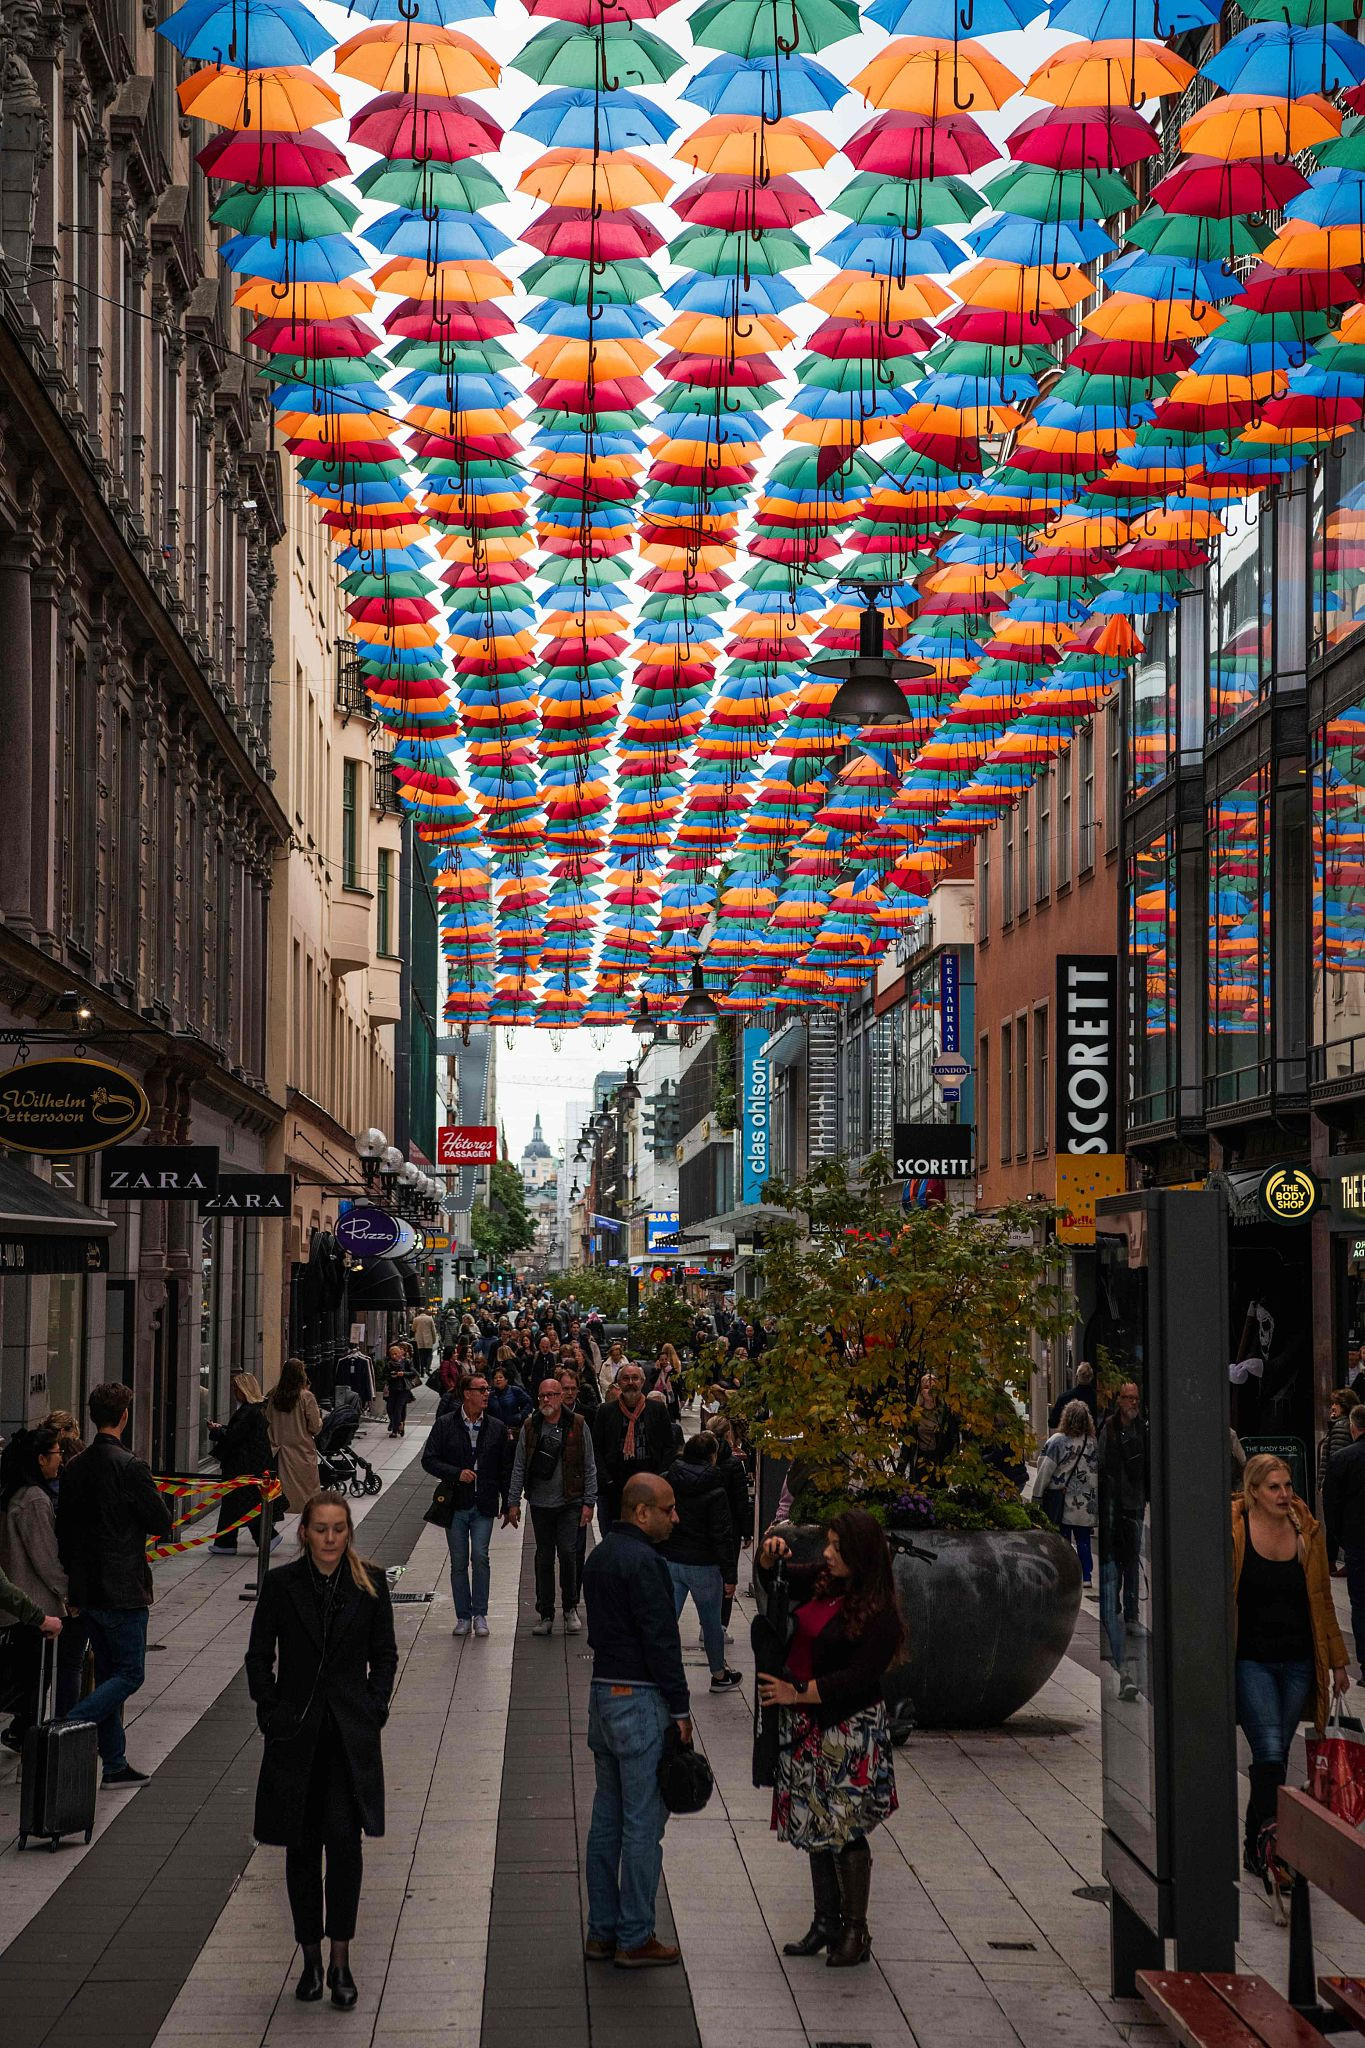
(1344, 1190)
(54, 1254)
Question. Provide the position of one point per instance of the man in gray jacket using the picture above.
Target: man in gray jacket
(555, 1468)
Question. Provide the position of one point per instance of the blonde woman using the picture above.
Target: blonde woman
(1291, 1658)
(294, 1419)
(320, 1668)
(1068, 1481)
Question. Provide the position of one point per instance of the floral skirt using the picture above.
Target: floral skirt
(833, 1784)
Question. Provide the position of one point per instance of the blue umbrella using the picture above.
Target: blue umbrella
(1013, 238)
(1007, 389)
(1172, 277)
(572, 117)
(233, 31)
(1128, 20)
(320, 399)
(750, 85)
(469, 389)
(1271, 57)
(950, 19)
(1217, 358)
(607, 323)
(1333, 200)
(450, 238)
(1086, 419)
(698, 293)
(438, 11)
(325, 260)
(887, 251)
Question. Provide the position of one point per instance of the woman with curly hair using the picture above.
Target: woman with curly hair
(835, 1776)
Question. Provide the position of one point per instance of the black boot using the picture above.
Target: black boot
(1259, 1849)
(340, 1982)
(854, 1945)
(309, 1985)
(826, 1926)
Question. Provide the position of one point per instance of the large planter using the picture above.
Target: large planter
(988, 1621)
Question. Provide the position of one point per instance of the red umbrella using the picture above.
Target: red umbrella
(920, 146)
(990, 324)
(462, 446)
(606, 238)
(391, 611)
(1131, 358)
(732, 200)
(1268, 290)
(420, 127)
(573, 394)
(838, 338)
(1083, 139)
(457, 320)
(1207, 186)
(352, 452)
(711, 371)
(313, 338)
(271, 156)
(593, 13)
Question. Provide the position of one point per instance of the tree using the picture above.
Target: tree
(867, 1300)
(592, 1287)
(502, 1226)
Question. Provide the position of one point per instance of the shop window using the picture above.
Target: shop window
(1042, 845)
(1006, 1091)
(1338, 927)
(1042, 1107)
(1152, 984)
(1337, 527)
(1239, 913)
(1151, 705)
(1240, 614)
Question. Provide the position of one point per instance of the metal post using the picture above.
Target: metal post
(267, 1531)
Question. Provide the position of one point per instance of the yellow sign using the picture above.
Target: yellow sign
(438, 1244)
(1288, 1194)
(1082, 1178)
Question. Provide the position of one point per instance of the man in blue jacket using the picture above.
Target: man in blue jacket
(470, 1452)
(638, 1687)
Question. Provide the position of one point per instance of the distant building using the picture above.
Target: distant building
(537, 1162)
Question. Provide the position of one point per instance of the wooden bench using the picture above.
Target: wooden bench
(1211, 2009)
(1330, 1854)
(1345, 1995)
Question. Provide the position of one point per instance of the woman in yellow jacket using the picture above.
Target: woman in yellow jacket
(1290, 1653)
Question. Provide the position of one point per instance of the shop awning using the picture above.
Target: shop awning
(45, 1231)
(378, 1285)
(413, 1296)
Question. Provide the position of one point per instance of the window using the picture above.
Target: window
(383, 902)
(1024, 812)
(1021, 1087)
(983, 1094)
(1006, 1091)
(1240, 613)
(1113, 776)
(350, 824)
(1087, 776)
(1042, 845)
(1007, 870)
(1153, 985)
(983, 894)
(1041, 1106)
(1065, 770)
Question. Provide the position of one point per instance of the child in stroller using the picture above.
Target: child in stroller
(339, 1465)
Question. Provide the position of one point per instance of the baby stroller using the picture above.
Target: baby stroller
(339, 1466)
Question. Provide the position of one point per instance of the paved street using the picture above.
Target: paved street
(171, 1930)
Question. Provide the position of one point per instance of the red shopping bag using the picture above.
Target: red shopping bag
(1336, 1767)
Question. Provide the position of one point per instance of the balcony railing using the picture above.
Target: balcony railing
(352, 698)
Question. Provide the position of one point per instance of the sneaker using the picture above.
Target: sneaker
(650, 1955)
(124, 1775)
(726, 1681)
(545, 1626)
(599, 1948)
(728, 1637)
(223, 1550)
(461, 1628)
(11, 1739)
(481, 1624)
(572, 1625)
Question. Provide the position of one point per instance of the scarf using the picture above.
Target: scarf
(628, 1441)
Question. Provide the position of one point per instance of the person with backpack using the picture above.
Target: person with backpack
(1068, 1480)
(702, 1550)
(242, 1448)
(556, 1470)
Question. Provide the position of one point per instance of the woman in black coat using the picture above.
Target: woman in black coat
(835, 1776)
(242, 1446)
(320, 1667)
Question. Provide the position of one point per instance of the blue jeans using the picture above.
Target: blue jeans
(707, 1587)
(1271, 1699)
(1354, 1558)
(626, 1729)
(118, 1637)
(469, 1531)
(1074, 1533)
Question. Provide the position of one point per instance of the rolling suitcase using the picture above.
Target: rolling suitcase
(58, 1767)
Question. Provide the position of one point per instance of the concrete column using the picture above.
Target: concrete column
(17, 738)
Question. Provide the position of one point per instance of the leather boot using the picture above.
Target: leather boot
(826, 1926)
(1265, 1780)
(854, 1945)
(309, 1986)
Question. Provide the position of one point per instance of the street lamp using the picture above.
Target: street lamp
(628, 1091)
(642, 1024)
(870, 681)
(369, 1148)
(698, 1008)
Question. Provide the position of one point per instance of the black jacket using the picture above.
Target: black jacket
(849, 1670)
(654, 1445)
(242, 1445)
(632, 1625)
(449, 1452)
(736, 1480)
(1083, 1390)
(704, 1532)
(107, 1508)
(301, 1686)
(1343, 1498)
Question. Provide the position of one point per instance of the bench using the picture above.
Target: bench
(1330, 1854)
(1211, 2009)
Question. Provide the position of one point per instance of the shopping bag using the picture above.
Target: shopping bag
(1336, 1767)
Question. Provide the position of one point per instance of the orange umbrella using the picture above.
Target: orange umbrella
(931, 75)
(1105, 74)
(744, 145)
(557, 357)
(852, 296)
(706, 334)
(1006, 287)
(417, 56)
(1303, 245)
(410, 278)
(1243, 124)
(302, 301)
(1125, 317)
(614, 180)
(286, 98)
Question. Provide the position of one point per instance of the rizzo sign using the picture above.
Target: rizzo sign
(251, 1194)
(934, 1152)
(466, 1145)
(69, 1106)
(369, 1233)
(1087, 1064)
(159, 1173)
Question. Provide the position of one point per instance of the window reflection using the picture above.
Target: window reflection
(1152, 979)
(1240, 616)
(1338, 529)
(1239, 939)
(1151, 721)
(1338, 953)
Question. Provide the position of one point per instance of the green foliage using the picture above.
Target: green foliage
(727, 1093)
(867, 1300)
(592, 1288)
(502, 1227)
(664, 1319)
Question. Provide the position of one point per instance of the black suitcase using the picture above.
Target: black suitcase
(58, 1767)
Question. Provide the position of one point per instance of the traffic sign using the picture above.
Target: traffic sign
(951, 1094)
(950, 1067)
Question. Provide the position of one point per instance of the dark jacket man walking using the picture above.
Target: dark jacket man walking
(631, 1434)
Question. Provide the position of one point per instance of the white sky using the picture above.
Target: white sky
(535, 1077)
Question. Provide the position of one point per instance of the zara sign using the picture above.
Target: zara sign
(1087, 1065)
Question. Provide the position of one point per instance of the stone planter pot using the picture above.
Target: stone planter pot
(988, 1622)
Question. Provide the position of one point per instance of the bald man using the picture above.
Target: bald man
(638, 1687)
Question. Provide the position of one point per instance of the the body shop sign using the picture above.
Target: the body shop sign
(1087, 1053)
(466, 1145)
(757, 1088)
(69, 1106)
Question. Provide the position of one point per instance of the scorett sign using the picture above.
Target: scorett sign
(1087, 1064)
(69, 1106)
(934, 1152)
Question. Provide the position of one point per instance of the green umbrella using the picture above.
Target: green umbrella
(437, 356)
(755, 28)
(725, 255)
(467, 187)
(1347, 150)
(1206, 241)
(577, 283)
(1071, 196)
(620, 53)
(1082, 387)
(988, 359)
(852, 373)
(293, 213)
(398, 583)
(1300, 13)
(909, 203)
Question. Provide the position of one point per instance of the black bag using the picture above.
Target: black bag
(770, 1633)
(58, 1767)
(442, 1507)
(685, 1778)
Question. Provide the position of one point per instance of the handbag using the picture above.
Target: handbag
(770, 1633)
(685, 1779)
(442, 1507)
(1054, 1493)
(1336, 1766)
